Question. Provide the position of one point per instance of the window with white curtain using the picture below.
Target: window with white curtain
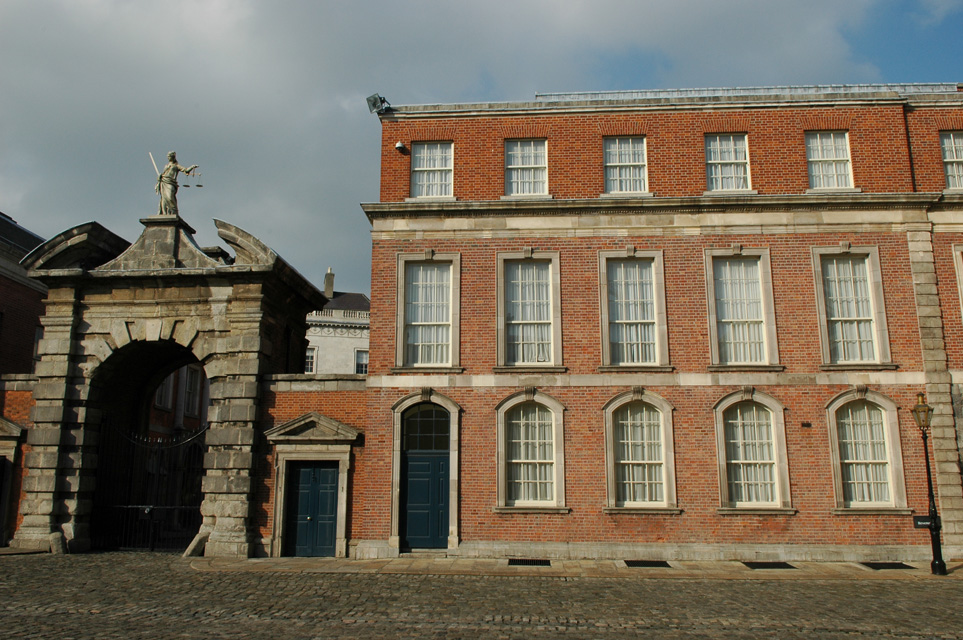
(863, 455)
(528, 312)
(625, 165)
(531, 454)
(427, 316)
(740, 320)
(727, 162)
(827, 153)
(849, 299)
(431, 169)
(639, 468)
(849, 309)
(751, 448)
(526, 167)
(632, 327)
(750, 454)
(951, 143)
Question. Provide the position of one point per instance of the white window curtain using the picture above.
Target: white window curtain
(526, 167)
(952, 145)
(740, 325)
(727, 162)
(863, 459)
(750, 457)
(631, 300)
(638, 454)
(528, 312)
(624, 165)
(849, 309)
(828, 155)
(431, 169)
(531, 454)
(427, 314)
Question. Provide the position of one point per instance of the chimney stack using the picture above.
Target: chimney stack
(329, 284)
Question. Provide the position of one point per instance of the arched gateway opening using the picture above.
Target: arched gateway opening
(151, 399)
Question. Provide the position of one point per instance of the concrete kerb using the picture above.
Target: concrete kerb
(698, 570)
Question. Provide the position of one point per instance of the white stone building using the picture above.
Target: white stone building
(338, 333)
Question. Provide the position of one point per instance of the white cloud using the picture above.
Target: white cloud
(269, 97)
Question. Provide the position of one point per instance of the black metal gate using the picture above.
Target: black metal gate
(148, 492)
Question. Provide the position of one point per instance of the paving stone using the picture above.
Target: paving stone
(141, 595)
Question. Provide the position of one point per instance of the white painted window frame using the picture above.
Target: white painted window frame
(947, 162)
(783, 502)
(449, 170)
(509, 169)
(658, 292)
(428, 256)
(557, 409)
(811, 162)
(880, 329)
(894, 452)
(739, 191)
(644, 165)
(524, 255)
(669, 503)
(771, 349)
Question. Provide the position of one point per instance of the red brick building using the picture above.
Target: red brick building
(665, 324)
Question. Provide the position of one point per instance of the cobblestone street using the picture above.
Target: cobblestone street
(139, 595)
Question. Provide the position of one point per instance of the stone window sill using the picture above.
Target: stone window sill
(668, 511)
(872, 511)
(745, 367)
(839, 190)
(628, 194)
(531, 510)
(432, 199)
(528, 368)
(731, 192)
(396, 370)
(529, 196)
(860, 366)
(757, 511)
(635, 368)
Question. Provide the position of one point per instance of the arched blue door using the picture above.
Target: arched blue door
(424, 477)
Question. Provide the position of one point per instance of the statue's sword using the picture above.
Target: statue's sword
(153, 163)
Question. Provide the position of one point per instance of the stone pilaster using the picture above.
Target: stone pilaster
(945, 453)
(43, 483)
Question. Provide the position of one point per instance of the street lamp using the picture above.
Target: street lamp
(922, 413)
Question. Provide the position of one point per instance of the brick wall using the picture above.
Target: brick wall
(20, 311)
(882, 159)
(685, 291)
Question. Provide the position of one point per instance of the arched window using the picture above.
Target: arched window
(863, 460)
(867, 462)
(639, 452)
(531, 467)
(750, 455)
(425, 427)
(531, 454)
(751, 445)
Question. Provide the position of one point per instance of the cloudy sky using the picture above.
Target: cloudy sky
(268, 97)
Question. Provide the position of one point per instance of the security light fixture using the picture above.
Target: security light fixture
(377, 104)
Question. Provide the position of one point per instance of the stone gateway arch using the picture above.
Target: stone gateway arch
(119, 318)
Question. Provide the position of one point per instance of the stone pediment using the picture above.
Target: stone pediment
(167, 242)
(312, 428)
(9, 430)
